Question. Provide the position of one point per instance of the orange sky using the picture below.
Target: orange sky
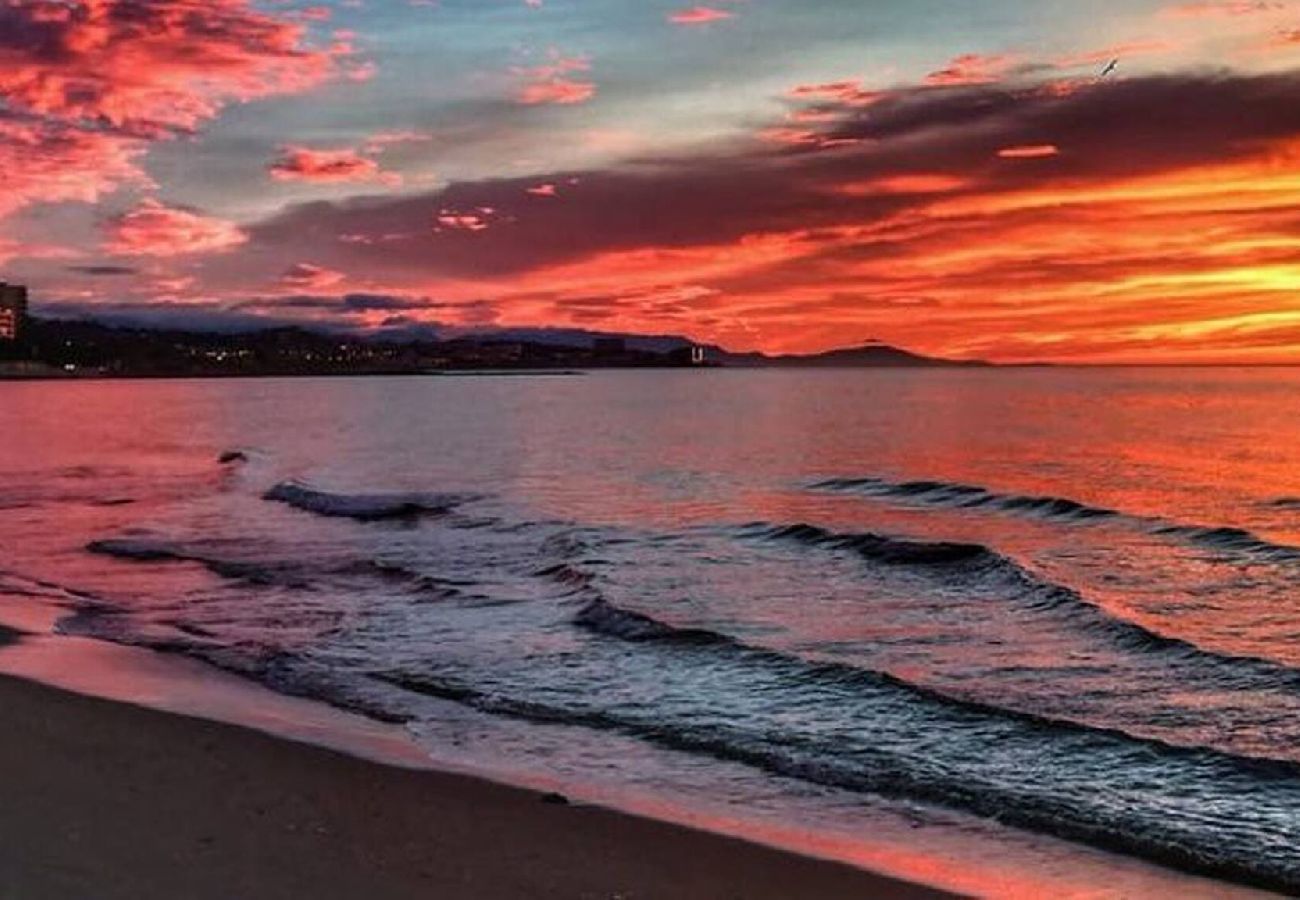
(974, 189)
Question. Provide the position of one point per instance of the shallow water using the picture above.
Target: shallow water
(1058, 600)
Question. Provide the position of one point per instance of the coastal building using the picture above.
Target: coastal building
(13, 311)
(689, 355)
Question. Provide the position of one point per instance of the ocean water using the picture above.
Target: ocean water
(1005, 605)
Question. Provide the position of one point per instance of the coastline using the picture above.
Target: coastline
(111, 799)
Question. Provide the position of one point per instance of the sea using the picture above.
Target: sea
(1010, 631)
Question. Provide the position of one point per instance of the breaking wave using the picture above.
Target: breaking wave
(980, 568)
(1068, 798)
(267, 572)
(966, 496)
(364, 507)
(875, 547)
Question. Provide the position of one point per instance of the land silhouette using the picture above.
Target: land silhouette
(80, 348)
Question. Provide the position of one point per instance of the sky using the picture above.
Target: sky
(1109, 181)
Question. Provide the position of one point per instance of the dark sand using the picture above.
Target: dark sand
(107, 800)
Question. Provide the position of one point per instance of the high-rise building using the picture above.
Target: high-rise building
(13, 311)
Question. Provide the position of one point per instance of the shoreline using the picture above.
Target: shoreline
(56, 675)
(112, 799)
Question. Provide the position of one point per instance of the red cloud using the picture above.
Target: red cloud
(305, 276)
(560, 91)
(479, 219)
(551, 83)
(10, 249)
(841, 93)
(145, 68)
(914, 183)
(346, 165)
(85, 85)
(699, 15)
(972, 68)
(1029, 151)
(152, 229)
(55, 163)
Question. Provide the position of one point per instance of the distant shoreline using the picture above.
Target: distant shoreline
(58, 376)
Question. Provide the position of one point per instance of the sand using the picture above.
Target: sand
(108, 800)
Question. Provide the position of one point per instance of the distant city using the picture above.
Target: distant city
(13, 313)
(33, 347)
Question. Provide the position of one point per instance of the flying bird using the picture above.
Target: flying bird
(1110, 67)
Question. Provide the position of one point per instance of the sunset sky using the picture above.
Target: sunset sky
(790, 175)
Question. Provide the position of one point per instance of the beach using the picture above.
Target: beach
(111, 800)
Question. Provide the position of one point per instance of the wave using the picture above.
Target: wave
(981, 568)
(875, 547)
(432, 586)
(1226, 538)
(951, 493)
(967, 496)
(1075, 808)
(603, 617)
(859, 699)
(364, 507)
(156, 551)
(569, 577)
(883, 768)
(273, 572)
(281, 671)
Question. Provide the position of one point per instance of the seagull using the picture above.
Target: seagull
(1110, 67)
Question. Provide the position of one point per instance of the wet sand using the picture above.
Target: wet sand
(108, 800)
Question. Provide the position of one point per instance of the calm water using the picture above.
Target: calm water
(1062, 601)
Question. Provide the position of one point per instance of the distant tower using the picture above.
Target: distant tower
(697, 356)
(13, 312)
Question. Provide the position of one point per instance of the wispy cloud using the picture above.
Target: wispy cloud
(699, 15)
(556, 81)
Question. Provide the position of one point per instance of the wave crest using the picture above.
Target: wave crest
(967, 496)
(364, 507)
(876, 547)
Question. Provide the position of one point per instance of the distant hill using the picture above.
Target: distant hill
(873, 354)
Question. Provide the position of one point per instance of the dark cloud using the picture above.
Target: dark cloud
(323, 312)
(1103, 130)
(214, 317)
(343, 303)
(1110, 128)
(104, 271)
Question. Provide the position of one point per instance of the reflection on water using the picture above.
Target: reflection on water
(1061, 597)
